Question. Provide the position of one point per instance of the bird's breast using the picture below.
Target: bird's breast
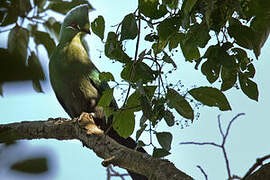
(76, 51)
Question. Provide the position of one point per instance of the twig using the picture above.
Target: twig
(219, 127)
(148, 21)
(135, 59)
(202, 144)
(201, 169)
(222, 145)
(230, 123)
(111, 172)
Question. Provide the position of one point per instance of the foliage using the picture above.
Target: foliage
(34, 164)
(26, 20)
(226, 29)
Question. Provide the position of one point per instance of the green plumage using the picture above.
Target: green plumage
(75, 79)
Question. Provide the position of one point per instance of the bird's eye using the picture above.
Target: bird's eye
(74, 25)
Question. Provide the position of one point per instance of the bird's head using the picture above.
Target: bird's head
(76, 21)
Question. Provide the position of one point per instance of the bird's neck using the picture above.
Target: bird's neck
(73, 58)
(75, 51)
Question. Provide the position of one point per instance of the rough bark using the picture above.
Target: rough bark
(91, 136)
(263, 173)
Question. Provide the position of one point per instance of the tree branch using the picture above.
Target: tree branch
(222, 145)
(259, 162)
(91, 136)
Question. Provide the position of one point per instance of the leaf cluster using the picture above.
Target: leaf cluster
(226, 29)
(27, 20)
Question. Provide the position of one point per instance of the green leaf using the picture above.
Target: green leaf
(37, 86)
(159, 153)
(173, 4)
(140, 131)
(53, 27)
(166, 58)
(129, 29)
(36, 72)
(180, 104)
(105, 102)
(169, 118)
(256, 8)
(217, 57)
(211, 97)
(64, 6)
(11, 10)
(250, 70)
(242, 58)
(44, 39)
(98, 27)
(141, 72)
(35, 67)
(229, 77)
(24, 7)
(106, 98)
(199, 34)
(243, 35)
(210, 70)
(249, 87)
(10, 18)
(159, 46)
(146, 107)
(18, 39)
(13, 67)
(142, 121)
(152, 9)
(106, 76)
(124, 122)
(149, 91)
(261, 27)
(134, 101)
(151, 37)
(113, 49)
(165, 140)
(175, 40)
(217, 15)
(167, 28)
(39, 3)
(158, 110)
(189, 49)
(188, 5)
(31, 165)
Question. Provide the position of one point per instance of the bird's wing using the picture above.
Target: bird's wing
(101, 86)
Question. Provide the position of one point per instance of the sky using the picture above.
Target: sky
(69, 159)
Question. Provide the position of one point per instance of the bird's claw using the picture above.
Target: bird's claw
(86, 120)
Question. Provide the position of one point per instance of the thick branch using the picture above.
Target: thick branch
(262, 173)
(93, 138)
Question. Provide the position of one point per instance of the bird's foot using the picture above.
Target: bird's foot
(86, 120)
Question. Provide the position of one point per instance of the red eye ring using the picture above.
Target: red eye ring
(74, 25)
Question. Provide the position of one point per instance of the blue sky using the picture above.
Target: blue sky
(70, 160)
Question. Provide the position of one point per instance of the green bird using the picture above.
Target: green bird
(75, 79)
